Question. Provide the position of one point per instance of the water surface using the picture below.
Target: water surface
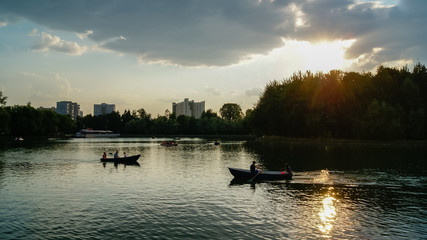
(60, 190)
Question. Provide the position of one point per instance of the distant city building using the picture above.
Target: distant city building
(69, 108)
(51, 108)
(103, 108)
(188, 108)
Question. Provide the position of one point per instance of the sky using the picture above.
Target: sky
(147, 54)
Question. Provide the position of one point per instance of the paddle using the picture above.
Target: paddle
(255, 176)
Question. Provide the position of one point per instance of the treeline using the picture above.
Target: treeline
(28, 121)
(140, 122)
(390, 104)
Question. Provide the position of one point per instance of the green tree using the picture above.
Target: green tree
(231, 112)
(4, 115)
(2, 99)
(4, 121)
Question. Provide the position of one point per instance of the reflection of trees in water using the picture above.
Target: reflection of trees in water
(340, 156)
(2, 167)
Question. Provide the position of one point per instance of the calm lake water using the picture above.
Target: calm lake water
(58, 189)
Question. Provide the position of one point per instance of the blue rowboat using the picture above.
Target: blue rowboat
(265, 175)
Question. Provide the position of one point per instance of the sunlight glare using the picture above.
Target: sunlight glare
(322, 56)
(327, 214)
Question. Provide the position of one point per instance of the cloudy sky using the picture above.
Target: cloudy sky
(148, 54)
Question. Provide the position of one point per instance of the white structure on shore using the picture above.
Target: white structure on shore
(103, 108)
(188, 108)
(69, 108)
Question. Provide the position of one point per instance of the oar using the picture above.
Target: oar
(254, 176)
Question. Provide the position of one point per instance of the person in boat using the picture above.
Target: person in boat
(124, 153)
(288, 169)
(116, 154)
(254, 169)
(104, 156)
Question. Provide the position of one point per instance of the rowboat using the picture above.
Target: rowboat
(90, 133)
(265, 175)
(126, 160)
(169, 144)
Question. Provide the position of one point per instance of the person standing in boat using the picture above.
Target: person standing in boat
(124, 153)
(116, 154)
(254, 169)
(104, 156)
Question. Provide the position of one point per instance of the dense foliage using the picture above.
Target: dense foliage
(390, 104)
(139, 122)
(26, 120)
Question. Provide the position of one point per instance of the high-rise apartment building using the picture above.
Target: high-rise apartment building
(103, 108)
(69, 108)
(188, 108)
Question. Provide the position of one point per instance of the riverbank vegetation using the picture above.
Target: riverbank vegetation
(390, 104)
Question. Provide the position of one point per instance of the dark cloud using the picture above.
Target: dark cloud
(383, 33)
(193, 32)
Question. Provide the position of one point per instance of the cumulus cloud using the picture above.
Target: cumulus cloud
(84, 35)
(55, 43)
(212, 91)
(45, 87)
(220, 33)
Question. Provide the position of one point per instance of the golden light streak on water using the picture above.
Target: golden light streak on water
(327, 214)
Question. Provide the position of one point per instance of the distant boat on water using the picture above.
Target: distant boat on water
(125, 160)
(90, 133)
(169, 143)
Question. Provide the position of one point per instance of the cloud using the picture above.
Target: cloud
(222, 33)
(84, 35)
(397, 30)
(46, 87)
(34, 33)
(212, 91)
(55, 43)
(3, 24)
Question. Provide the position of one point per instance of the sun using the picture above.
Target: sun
(321, 56)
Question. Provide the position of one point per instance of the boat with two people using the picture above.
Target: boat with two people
(125, 160)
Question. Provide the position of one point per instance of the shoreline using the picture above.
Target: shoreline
(338, 141)
(260, 139)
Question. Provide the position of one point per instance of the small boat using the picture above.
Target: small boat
(90, 133)
(169, 144)
(265, 175)
(125, 160)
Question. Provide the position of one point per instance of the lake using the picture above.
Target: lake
(59, 189)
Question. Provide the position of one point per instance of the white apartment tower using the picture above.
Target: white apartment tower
(69, 108)
(188, 108)
(103, 108)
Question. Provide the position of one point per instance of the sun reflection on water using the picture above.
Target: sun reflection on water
(327, 213)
